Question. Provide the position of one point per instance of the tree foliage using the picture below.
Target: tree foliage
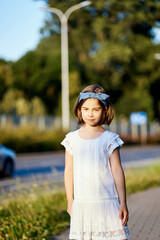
(6, 77)
(111, 43)
(14, 102)
(114, 43)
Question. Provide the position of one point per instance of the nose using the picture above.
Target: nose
(90, 113)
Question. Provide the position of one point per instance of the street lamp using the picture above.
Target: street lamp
(64, 57)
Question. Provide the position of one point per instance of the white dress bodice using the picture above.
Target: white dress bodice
(92, 173)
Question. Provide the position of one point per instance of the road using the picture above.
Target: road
(45, 163)
(50, 166)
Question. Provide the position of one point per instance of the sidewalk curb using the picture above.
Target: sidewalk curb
(62, 236)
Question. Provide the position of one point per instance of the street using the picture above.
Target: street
(50, 166)
(45, 163)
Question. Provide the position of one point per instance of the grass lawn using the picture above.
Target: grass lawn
(38, 213)
(142, 178)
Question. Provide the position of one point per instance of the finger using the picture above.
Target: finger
(125, 218)
(123, 224)
(120, 214)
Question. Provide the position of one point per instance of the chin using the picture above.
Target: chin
(94, 124)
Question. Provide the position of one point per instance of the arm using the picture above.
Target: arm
(68, 179)
(119, 178)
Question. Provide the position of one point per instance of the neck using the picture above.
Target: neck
(92, 128)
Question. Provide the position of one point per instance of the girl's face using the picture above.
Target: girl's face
(91, 111)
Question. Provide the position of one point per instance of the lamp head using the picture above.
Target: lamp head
(85, 3)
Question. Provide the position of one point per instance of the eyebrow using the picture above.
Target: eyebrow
(93, 107)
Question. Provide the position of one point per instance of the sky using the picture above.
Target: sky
(20, 23)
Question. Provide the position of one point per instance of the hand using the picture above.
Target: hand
(69, 207)
(123, 213)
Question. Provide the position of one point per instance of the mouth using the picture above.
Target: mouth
(90, 119)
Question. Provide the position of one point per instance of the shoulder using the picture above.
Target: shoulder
(113, 141)
(68, 141)
(71, 134)
(112, 135)
(71, 137)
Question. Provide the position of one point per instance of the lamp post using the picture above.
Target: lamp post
(64, 57)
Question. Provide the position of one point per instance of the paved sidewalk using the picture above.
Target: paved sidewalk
(144, 212)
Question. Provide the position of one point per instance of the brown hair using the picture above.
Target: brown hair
(107, 116)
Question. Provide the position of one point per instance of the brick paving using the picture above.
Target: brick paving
(144, 208)
(144, 212)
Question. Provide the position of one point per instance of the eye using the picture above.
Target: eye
(96, 110)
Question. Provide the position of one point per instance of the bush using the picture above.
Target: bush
(29, 139)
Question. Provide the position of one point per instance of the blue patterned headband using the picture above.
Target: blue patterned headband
(101, 96)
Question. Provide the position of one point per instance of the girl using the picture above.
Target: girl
(93, 176)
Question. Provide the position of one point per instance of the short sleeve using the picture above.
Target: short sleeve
(114, 142)
(67, 144)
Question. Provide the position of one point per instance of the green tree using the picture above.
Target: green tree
(6, 77)
(8, 103)
(38, 73)
(37, 107)
(113, 44)
(14, 102)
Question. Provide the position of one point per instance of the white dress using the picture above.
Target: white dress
(95, 209)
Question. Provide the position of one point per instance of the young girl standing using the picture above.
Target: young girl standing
(93, 176)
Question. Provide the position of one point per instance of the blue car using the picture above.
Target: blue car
(7, 161)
